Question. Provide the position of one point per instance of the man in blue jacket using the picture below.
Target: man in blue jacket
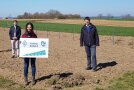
(90, 39)
(15, 33)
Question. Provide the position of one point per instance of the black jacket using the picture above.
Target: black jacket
(89, 38)
(18, 32)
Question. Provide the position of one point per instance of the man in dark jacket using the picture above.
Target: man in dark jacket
(14, 34)
(90, 39)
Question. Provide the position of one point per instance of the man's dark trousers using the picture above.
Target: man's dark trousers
(91, 56)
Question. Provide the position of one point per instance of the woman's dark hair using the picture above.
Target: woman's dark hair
(15, 21)
(31, 31)
(87, 18)
(29, 23)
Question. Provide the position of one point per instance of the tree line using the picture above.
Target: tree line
(127, 16)
(51, 14)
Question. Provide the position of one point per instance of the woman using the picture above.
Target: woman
(29, 33)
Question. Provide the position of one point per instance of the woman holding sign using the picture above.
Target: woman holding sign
(29, 33)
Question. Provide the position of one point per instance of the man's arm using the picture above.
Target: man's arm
(10, 33)
(97, 37)
(19, 34)
(81, 37)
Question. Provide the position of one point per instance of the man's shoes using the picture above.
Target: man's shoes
(94, 69)
(13, 56)
(17, 56)
(88, 68)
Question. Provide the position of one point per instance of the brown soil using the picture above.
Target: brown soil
(96, 22)
(66, 64)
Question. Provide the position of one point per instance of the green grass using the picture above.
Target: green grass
(117, 31)
(5, 83)
(10, 85)
(125, 82)
(73, 28)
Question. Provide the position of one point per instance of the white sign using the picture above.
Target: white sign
(34, 47)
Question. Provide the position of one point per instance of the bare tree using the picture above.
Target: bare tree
(127, 16)
(51, 14)
(100, 16)
(109, 16)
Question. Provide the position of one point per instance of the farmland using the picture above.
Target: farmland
(74, 28)
(65, 67)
